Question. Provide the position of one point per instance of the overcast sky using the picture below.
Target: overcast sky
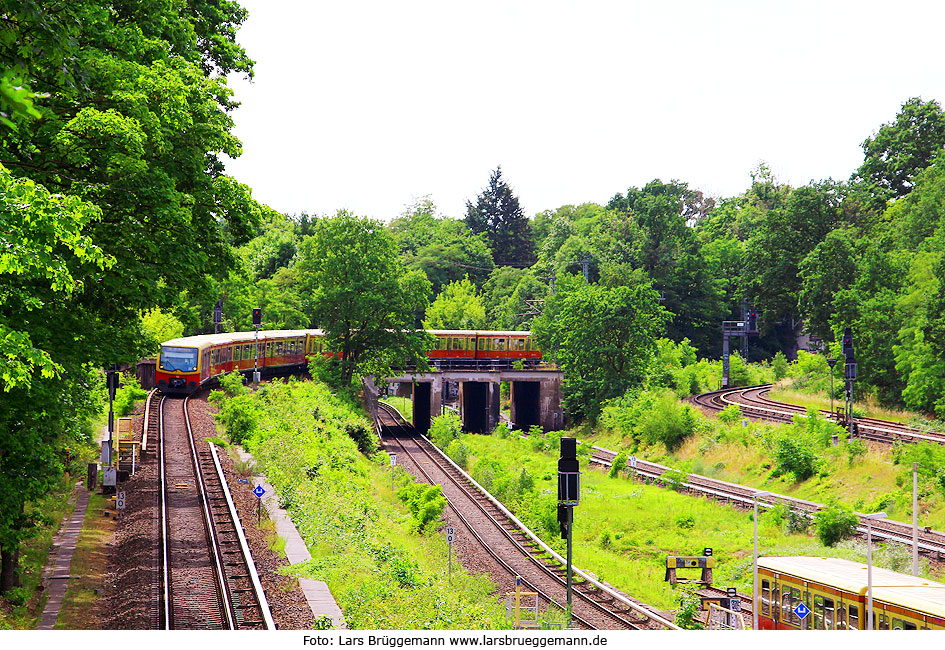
(367, 105)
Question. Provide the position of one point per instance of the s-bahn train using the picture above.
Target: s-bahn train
(185, 364)
(834, 595)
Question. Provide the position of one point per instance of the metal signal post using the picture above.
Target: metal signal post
(569, 495)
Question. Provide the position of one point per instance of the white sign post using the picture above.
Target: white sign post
(393, 464)
(633, 468)
(120, 503)
(450, 535)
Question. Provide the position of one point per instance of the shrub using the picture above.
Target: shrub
(667, 421)
(363, 435)
(239, 417)
(795, 456)
(501, 431)
(780, 366)
(730, 414)
(425, 502)
(856, 450)
(835, 523)
(445, 428)
(685, 522)
(459, 452)
(232, 383)
(620, 462)
(674, 479)
(127, 395)
(690, 605)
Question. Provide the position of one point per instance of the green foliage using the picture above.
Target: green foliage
(233, 383)
(603, 339)
(731, 414)
(667, 421)
(792, 519)
(780, 366)
(690, 606)
(239, 417)
(426, 503)
(855, 450)
(498, 216)
(835, 523)
(457, 307)
(127, 395)
(674, 479)
(795, 457)
(445, 429)
(685, 522)
(363, 297)
(459, 452)
(619, 464)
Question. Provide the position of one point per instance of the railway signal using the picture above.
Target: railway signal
(257, 321)
(569, 495)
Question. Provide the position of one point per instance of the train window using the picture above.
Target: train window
(237, 353)
(520, 345)
(775, 599)
(818, 613)
(458, 343)
(765, 598)
(841, 617)
(854, 618)
(897, 624)
(485, 344)
(500, 345)
(789, 600)
(441, 342)
(883, 622)
(178, 359)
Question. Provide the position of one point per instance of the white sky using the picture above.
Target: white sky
(365, 105)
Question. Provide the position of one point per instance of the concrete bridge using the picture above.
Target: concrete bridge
(535, 397)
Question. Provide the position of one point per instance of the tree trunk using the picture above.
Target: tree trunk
(8, 564)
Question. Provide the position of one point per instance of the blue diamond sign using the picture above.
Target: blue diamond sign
(259, 491)
(801, 611)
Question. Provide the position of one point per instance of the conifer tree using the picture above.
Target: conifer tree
(498, 215)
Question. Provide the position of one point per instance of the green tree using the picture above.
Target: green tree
(899, 150)
(835, 523)
(458, 307)
(602, 338)
(498, 215)
(363, 296)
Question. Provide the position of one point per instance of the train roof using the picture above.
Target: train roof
(920, 594)
(480, 333)
(231, 337)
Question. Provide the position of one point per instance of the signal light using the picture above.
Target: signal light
(257, 316)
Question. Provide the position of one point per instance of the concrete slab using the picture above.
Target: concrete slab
(317, 593)
(56, 574)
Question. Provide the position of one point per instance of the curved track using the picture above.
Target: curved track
(755, 404)
(511, 546)
(208, 578)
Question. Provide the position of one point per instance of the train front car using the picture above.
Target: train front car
(178, 367)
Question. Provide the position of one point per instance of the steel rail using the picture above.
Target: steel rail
(511, 571)
(259, 592)
(165, 565)
(212, 542)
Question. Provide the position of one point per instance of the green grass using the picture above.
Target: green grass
(868, 408)
(402, 404)
(383, 572)
(624, 530)
(34, 553)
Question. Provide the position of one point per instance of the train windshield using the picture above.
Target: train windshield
(178, 359)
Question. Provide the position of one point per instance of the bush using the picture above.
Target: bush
(363, 435)
(620, 462)
(425, 502)
(674, 479)
(239, 417)
(127, 395)
(232, 383)
(459, 452)
(795, 457)
(780, 366)
(730, 414)
(856, 450)
(667, 421)
(445, 428)
(835, 523)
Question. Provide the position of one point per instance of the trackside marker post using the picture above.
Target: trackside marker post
(259, 491)
(450, 535)
(393, 464)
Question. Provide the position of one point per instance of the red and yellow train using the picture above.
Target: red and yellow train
(185, 364)
(834, 592)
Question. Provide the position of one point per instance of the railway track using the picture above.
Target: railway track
(754, 404)
(207, 579)
(931, 542)
(517, 551)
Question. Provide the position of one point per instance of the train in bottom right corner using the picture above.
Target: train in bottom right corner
(833, 593)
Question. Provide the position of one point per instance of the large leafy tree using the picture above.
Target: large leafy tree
(457, 307)
(122, 144)
(498, 215)
(364, 297)
(602, 338)
(902, 148)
